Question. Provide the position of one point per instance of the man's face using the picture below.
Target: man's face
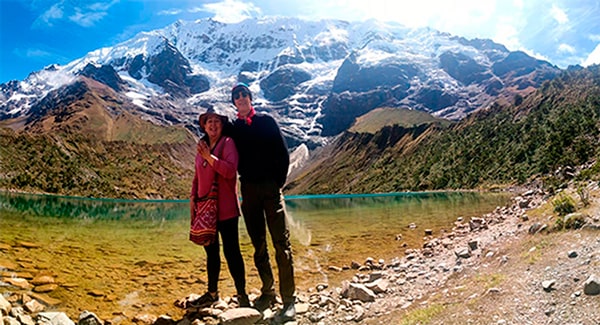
(241, 99)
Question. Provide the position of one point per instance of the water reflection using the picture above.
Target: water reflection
(124, 247)
(106, 209)
(112, 209)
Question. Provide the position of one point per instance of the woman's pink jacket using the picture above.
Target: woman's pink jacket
(225, 167)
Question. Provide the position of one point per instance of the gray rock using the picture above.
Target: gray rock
(10, 321)
(548, 285)
(16, 311)
(462, 252)
(473, 245)
(240, 316)
(164, 320)
(375, 276)
(356, 291)
(592, 286)
(34, 306)
(378, 286)
(477, 223)
(53, 318)
(537, 228)
(25, 320)
(4, 306)
(302, 308)
(89, 318)
(316, 317)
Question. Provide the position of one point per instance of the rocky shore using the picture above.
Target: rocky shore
(379, 290)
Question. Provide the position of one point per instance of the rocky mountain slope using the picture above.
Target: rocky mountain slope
(315, 77)
(552, 128)
(81, 140)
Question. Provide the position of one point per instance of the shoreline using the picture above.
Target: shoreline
(382, 289)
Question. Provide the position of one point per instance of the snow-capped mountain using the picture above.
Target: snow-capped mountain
(314, 77)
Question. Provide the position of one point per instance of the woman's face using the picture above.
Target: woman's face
(213, 126)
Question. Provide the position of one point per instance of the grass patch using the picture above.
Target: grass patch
(534, 253)
(422, 315)
(488, 281)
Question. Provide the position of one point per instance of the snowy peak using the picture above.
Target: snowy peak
(314, 77)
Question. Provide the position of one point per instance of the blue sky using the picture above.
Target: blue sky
(37, 33)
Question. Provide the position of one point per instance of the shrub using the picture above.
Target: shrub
(564, 205)
(584, 195)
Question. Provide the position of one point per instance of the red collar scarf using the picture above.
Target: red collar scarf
(248, 118)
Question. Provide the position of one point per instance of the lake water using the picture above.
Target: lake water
(134, 256)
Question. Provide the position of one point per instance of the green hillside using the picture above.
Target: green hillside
(85, 142)
(376, 119)
(79, 166)
(556, 126)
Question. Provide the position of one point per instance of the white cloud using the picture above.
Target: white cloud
(37, 53)
(559, 15)
(86, 19)
(54, 13)
(566, 48)
(507, 35)
(230, 11)
(594, 37)
(170, 12)
(101, 6)
(593, 58)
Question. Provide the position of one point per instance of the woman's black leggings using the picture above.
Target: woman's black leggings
(231, 249)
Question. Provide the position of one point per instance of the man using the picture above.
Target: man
(263, 166)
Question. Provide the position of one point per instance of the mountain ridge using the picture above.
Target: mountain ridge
(313, 77)
(145, 95)
(551, 130)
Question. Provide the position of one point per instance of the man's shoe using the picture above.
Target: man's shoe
(264, 301)
(243, 300)
(287, 314)
(204, 300)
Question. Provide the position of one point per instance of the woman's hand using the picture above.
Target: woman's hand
(203, 149)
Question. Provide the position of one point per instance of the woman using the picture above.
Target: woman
(217, 157)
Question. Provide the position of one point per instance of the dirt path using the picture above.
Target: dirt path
(503, 281)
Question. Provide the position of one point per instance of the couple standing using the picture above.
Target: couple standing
(258, 152)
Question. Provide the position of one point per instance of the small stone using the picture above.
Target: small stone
(240, 316)
(572, 254)
(46, 288)
(54, 318)
(302, 308)
(96, 293)
(28, 244)
(88, 318)
(145, 319)
(548, 285)
(473, 245)
(42, 279)
(34, 306)
(335, 268)
(591, 286)
(462, 253)
(322, 286)
(18, 282)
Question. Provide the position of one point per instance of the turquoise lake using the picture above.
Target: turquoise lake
(134, 256)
